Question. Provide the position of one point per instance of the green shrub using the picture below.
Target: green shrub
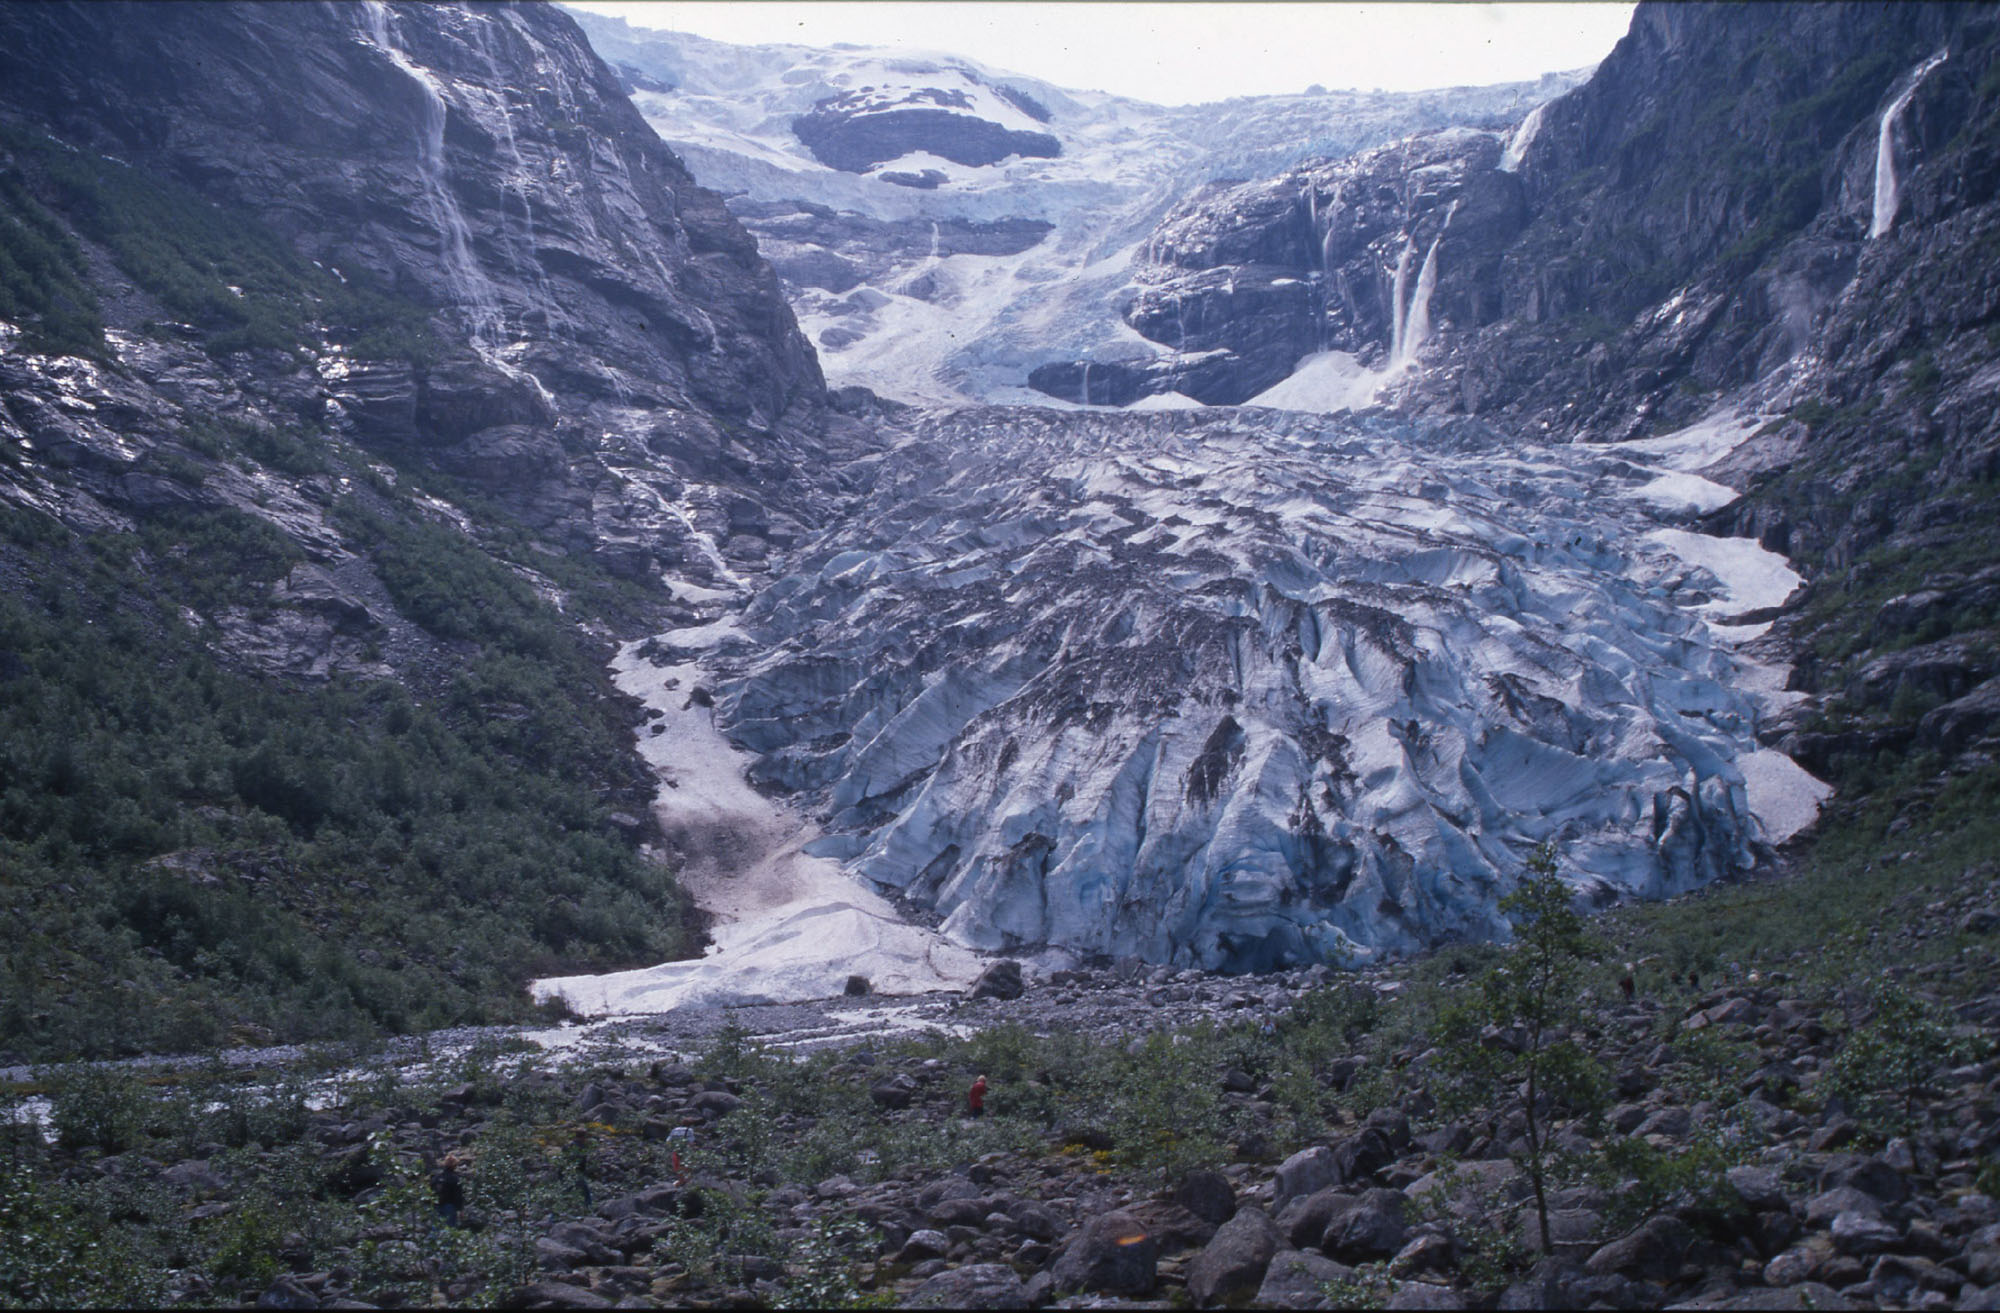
(1520, 1023)
(1892, 1061)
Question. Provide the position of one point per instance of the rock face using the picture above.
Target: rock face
(387, 347)
(857, 130)
(586, 295)
(1246, 695)
(1243, 281)
(1599, 268)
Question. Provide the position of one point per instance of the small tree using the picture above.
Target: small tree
(1518, 1023)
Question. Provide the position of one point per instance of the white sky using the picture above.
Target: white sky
(1184, 51)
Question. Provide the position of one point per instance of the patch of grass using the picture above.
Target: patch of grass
(215, 267)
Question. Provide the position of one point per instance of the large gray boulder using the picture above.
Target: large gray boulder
(1233, 1264)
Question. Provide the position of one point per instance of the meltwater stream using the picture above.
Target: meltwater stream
(1236, 689)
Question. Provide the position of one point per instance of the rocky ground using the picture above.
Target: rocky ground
(1771, 1138)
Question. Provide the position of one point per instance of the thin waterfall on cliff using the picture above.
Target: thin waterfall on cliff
(523, 239)
(1517, 145)
(1886, 194)
(468, 284)
(1413, 324)
(1398, 307)
(1319, 278)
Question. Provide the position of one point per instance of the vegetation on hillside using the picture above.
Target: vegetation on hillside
(190, 850)
(215, 269)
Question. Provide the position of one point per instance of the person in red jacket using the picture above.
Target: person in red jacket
(975, 1099)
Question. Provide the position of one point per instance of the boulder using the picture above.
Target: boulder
(1372, 1230)
(1306, 1172)
(1113, 1254)
(1232, 1265)
(977, 1285)
(1208, 1195)
(1002, 980)
(287, 1293)
(1360, 1156)
(1293, 1279)
(1652, 1252)
(924, 1244)
(1860, 1233)
(1304, 1222)
(552, 1294)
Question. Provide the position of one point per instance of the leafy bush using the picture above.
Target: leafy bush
(58, 1248)
(1520, 1023)
(1892, 1060)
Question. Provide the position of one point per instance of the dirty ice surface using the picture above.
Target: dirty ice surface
(787, 926)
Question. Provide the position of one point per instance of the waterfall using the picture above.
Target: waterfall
(936, 241)
(1417, 324)
(1517, 145)
(1318, 245)
(1399, 307)
(524, 242)
(1413, 324)
(467, 282)
(1886, 196)
(1086, 382)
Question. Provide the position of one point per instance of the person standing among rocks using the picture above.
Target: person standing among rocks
(449, 1190)
(975, 1099)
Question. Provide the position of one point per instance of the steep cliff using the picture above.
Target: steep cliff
(1769, 211)
(361, 368)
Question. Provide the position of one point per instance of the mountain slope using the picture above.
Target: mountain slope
(362, 369)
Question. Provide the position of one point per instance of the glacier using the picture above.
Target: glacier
(1242, 688)
(969, 325)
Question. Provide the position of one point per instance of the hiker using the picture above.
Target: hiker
(449, 1190)
(578, 1154)
(975, 1099)
(1628, 983)
(677, 1139)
